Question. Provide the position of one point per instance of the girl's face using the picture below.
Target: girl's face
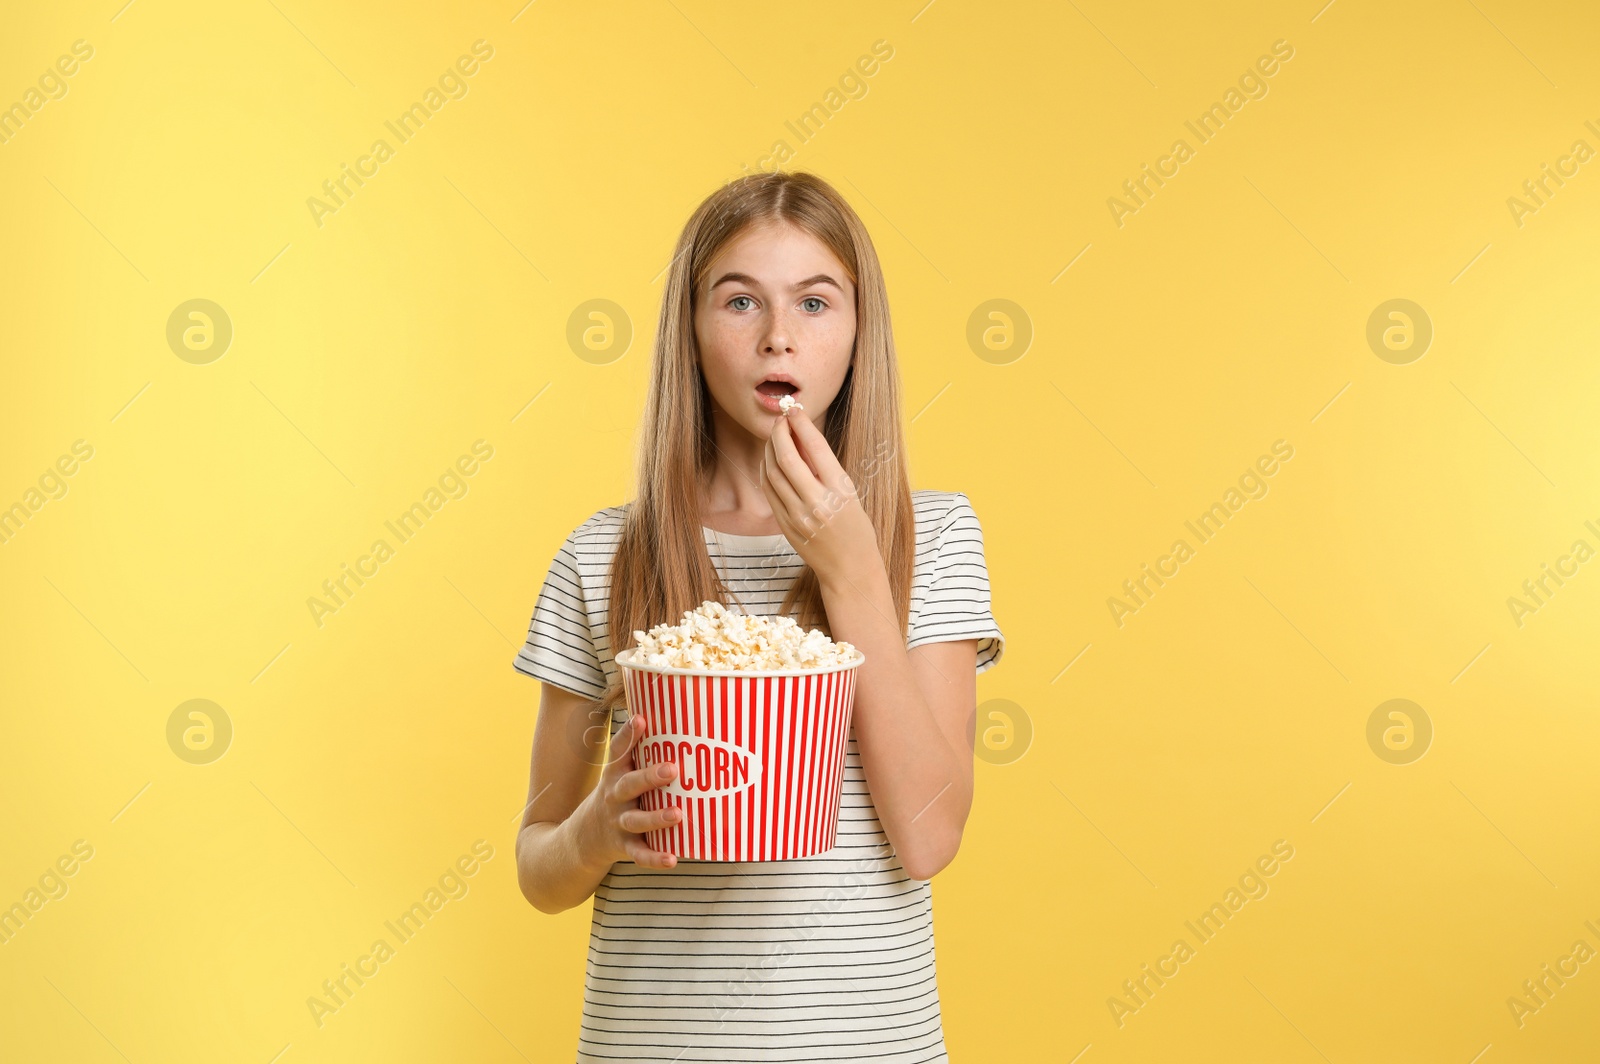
(779, 318)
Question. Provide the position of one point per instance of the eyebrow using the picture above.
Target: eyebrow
(745, 278)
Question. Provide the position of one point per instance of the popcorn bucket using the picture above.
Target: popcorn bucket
(760, 757)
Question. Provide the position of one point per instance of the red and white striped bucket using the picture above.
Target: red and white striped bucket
(760, 757)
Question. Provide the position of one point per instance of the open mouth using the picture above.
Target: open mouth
(771, 393)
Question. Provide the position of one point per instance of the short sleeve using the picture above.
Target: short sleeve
(957, 601)
(560, 648)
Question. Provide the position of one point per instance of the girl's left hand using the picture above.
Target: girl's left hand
(814, 501)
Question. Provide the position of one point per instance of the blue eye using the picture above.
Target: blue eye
(736, 299)
(815, 299)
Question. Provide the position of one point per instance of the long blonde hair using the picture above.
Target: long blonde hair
(662, 568)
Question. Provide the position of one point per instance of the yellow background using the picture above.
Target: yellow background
(369, 352)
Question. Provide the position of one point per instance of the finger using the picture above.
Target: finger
(801, 476)
(775, 501)
(836, 484)
(808, 515)
(790, 436)
(645, 857)
(794, 508)
(639, 821)
(814, 446)
(769, 465)
(638, 781)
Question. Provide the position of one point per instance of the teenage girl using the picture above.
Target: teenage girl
(774, 289)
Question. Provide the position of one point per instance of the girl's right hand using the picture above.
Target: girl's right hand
(616, 820)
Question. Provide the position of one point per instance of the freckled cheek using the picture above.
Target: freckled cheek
(837, 339)
(818, 334)
(729, 339)
(720, 359)
(725, 359)
(717, 344)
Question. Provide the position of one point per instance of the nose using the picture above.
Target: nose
(777, 339)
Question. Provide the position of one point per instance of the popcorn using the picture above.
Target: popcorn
(787, 403)
(713, 637)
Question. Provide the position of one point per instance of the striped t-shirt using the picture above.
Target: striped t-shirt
(819, 959)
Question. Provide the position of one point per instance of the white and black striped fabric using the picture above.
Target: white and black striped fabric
(826, 958)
